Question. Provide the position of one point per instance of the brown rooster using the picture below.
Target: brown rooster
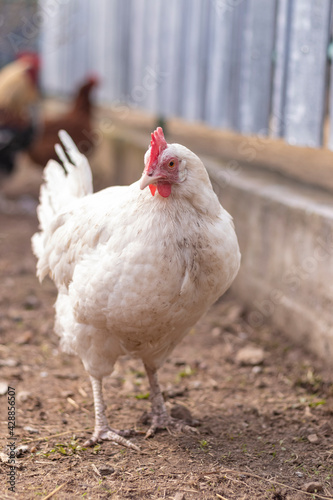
(18, 94)
(78, 122)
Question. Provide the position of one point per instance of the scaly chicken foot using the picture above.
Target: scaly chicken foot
(165, 421)
(158, 417)
(108, 434)
(102, 430)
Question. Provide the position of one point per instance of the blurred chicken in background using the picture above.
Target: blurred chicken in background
(77, 121)
(18, 93)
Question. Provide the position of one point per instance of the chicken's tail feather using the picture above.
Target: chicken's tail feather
(63, 183)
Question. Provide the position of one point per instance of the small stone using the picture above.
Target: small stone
(105, 470)
(179, 496)
(182, 413)
(231, 314)
(326, 429)
(202, 366)
(305, 431)
(313, 438)
(43, 374)
(11, 363)
(307, 412)
(250, 356)
(32, 430)
(312, 487)
(214, 384)
(23, 396)
(67, 394)
(195, 384)
(16, 317)
(179, 362)
(4, 457)
(129, 386)
(24, 338)
(3, 388)
(257, 369)
(31, 302)
(174, 392)
(216, 332)
(299, 473)
(243, 335)
(260, 384)
(20, 450)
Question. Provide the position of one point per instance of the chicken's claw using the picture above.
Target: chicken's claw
(164, 421)
(112, 435)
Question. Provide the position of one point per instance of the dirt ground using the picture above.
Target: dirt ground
(265, 406)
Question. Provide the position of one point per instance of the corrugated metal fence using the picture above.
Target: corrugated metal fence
(18, 31)
(253, 66)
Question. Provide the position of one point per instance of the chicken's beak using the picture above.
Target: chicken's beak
(146, 180)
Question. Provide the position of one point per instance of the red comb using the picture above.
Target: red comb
(158, 144)
(33, 64)
(31, 57)
(93, 79)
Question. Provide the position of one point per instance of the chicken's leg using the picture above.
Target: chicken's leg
(160, 419)
(102, 430)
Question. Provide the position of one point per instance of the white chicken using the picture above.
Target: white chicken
(134, 271)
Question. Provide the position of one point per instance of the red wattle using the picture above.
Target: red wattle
(152, 188)
(164, 189)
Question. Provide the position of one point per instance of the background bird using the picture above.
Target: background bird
(18, 93)
(77, 121)
(135, 268)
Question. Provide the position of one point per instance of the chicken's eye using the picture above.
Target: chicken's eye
(171, 164)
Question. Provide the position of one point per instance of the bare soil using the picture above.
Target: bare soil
(266, 424)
